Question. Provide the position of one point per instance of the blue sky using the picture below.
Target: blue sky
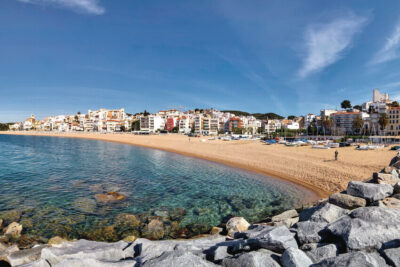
(288, 57)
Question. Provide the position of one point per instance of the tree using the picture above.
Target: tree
(260, 130)
(394, 104)
(383, 121)
(76, 118)
(238, 130)
(358, 124)
(145, 113)
(291, 117)
(345, 104)
(175, 129)
(136, 125)
(122, 128)
(221, 131)
(79, 113)
(326, 123)
(358, 107)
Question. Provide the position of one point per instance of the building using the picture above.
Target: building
(151, 123)
(393, 128)
(309, 120)
(378, 104)
(235, 122)
(378, 97)
(184, 124)
(29, 123)
(343, 121)
(271, 126)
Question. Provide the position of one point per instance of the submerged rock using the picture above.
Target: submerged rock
(154, 230)
(109, 197)
(10, 216)
(13, 230)
(85, 204)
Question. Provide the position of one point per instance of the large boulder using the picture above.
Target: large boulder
(178, 258)
(392, 256)
(347, 201)
(236, 224)
(84, 249)
(293, 257)
(390, 202)
(259, 258)
(354, 259)
(368, 191)
(277, 239)
(324, 213)
(284, 216)
(310, 232)
(94, 262)
(25, 256)
(367, 228)
(321, 253)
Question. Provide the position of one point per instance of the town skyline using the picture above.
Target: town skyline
(60, 57)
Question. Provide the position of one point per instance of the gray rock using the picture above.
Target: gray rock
(288, 222)
(97, 263)
(254, 231)
(310, 232)
(293, 257)
(371, 192)
(25, 256)
(396, 188)
(392, 256)
(84, 249)
(219, 253)
(367, 228)
(277, 239)
(324, 213)
(38, 263)
(178, 258)
(353, 259)
(347, 201)
(259, 258)
(321, 253)
(285, 215)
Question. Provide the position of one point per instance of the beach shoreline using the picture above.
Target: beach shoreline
(306, 168)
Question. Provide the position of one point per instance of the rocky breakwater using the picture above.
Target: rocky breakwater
(357, 227)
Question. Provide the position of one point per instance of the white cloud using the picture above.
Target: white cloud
(85, 6)
(325, 43)
(389, 50)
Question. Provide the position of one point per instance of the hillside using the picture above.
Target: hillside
(259, 116)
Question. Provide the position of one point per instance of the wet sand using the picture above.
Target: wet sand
(314, 169)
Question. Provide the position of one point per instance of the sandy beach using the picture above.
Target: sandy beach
(314, 169)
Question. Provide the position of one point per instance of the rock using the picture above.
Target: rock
(56, 241)
(321, 253)
(324, 213)
(25, 256)
(96, 263)
(294, 257)
(347, 201)
(219, 253)
(384, 178)
(310, 232)
(371, 192)
(216, 230)
(13, 230)
(154, 230)
(259, 258)
(109, 197)
(277, 239)
(367, 228)
(392, 256)
(178, 258)
(396, 188)
(10, 216)
(391, 202)
(253, 231)
(1, 224)
(285, 215)
(85, 204)
(388, 170)
(236, 224)
(126, 222)
(84, 249)
(288, 222)
(354, 259)
(130, 238)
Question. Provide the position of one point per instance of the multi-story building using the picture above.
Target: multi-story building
(309, 120)
(198, 124)
(271, 126)
(151, 123)
(235, 122)
(184, 124)
(393, 128)
(343, 121)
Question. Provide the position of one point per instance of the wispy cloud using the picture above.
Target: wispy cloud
(390, 50)
(326, 43)
(80, 6)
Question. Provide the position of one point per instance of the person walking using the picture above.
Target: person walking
(336, 154)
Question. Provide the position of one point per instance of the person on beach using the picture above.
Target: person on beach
(336, 154)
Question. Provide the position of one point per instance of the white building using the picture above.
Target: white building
(309, 119)
(151, 123)
(343, 121)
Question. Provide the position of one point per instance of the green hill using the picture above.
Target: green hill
(259, 116)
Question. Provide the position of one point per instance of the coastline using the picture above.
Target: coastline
(293, 165)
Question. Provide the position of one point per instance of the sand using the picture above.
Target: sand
(314, 169)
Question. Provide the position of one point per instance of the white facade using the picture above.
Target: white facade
(151, 123)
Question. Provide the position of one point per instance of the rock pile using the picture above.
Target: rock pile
(357, 227)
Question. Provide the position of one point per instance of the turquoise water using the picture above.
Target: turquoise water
(48, 185)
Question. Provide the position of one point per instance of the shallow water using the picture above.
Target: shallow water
(49, 184)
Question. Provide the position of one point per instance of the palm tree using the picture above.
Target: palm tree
(327, 123)
(383, 121)
(358, 124)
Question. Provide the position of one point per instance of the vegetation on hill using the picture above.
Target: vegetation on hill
(4, 126)
(259, 116)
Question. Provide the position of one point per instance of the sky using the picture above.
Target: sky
(287, 57)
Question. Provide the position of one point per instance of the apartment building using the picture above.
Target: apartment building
(393, 128)
(235, 122)
(151, 123)
(343, 121)
(184, 124)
